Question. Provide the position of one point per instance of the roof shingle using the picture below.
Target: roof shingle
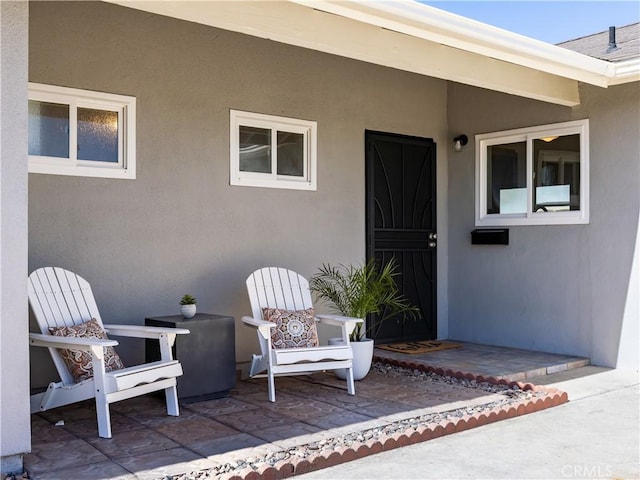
(597, 45)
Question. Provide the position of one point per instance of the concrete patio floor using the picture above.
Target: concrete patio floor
(148, 444)
(492, 361)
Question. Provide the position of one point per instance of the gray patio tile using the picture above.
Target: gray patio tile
(94, 471)
(379, 409)
(220, 406)
(133, 443)
(88, 427)
(249, 385)
(187, 431)
(350, 402)
(261, 399)
(54, 456)
(232, 446)
(77, 411)
(158, 416)
(152, 466)
(43, 431)
(254, 420)
(320, 390)
(303, 408)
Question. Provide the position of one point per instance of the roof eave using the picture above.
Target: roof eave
(432, 24)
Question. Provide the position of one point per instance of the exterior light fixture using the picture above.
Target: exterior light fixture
(459, 142)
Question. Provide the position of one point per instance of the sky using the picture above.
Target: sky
(551, 21)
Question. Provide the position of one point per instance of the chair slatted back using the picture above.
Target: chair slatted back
(273, 287)
(60, 298)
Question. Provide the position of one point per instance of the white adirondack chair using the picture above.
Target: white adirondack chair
(272, 287)
(61, 298)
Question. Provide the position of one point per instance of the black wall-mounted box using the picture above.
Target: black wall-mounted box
(490, 236)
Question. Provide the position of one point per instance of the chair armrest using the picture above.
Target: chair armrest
(337, 320)
(141, 331)
(348, 324)
(256, 322)
(165, 336)
(53, 341)
(264, 327)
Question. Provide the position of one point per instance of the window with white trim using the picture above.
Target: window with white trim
(271, 151)
(533, 176)
(81, 132)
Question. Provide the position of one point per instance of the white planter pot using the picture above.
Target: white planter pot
(362, 358)
(188, 311)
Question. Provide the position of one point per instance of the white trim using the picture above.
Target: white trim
(125, 106)
(625, 71)
(307, 128)
(482, 141)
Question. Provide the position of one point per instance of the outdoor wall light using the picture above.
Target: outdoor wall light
(459, 142)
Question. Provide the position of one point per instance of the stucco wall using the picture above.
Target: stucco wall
(14, 344)
(554, 288)
(179, 227)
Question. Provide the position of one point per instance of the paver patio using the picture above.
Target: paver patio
(246, 430)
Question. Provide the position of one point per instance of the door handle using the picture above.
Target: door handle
(433, 236)
(432, 244)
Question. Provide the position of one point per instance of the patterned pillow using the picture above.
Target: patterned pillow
(294, 328)
(78, 362)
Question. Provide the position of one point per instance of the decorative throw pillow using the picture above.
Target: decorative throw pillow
(78, 362)
(294, 328)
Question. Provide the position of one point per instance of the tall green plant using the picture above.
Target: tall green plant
(358, 290)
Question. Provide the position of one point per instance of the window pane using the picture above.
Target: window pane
(291, 154)
(506, 178)
(48, 129)
(97, 135)
(556, 173)
(255, 149)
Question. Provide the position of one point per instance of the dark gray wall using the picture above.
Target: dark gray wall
(559, 288)
(179, 227)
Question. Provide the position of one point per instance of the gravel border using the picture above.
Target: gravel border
(517, 399)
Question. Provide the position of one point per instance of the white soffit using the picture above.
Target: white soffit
(406, 35)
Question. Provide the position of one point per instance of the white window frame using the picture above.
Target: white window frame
(75, 98)
(308, 181)
(528, 135)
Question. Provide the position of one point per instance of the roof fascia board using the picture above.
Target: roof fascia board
(339, 35)
(433, 24)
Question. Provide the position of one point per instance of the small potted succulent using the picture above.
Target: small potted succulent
(188, 306)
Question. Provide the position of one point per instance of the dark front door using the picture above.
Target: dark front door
(401, 224)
